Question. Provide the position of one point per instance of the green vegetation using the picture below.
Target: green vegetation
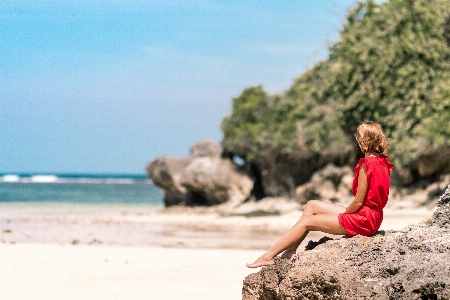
(391, 65)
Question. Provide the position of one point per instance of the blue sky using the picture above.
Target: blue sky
(106, 86)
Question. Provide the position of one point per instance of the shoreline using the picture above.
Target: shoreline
(146, 226)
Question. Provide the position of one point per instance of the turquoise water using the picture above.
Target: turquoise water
(79, 188)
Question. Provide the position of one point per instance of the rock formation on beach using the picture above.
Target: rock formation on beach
(203, 178)
(413, 263)
(330, 183)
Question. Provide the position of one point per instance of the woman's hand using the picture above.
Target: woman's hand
(360, 192)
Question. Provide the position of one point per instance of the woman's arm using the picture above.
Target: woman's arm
(360, 192)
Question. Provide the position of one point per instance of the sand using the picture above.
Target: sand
(49, 271)
(129, 252)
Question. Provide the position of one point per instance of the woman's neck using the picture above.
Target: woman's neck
(371, 154)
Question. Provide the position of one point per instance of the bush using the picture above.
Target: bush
(391, 65)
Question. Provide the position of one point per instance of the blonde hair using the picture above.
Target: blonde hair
(370, 137)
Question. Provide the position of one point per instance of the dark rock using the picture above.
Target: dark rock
(312, 244)
(279, 174)
(433, 161)
(401, 177)
(412, 263)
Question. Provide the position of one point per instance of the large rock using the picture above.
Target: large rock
(433, 161)
(216, 180)
(413, 263)
(165, 172)
(279, 174)
(330, 183)
(431, 164)
(206, 148)
(204, 178)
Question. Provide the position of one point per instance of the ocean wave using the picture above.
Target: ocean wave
(75, 179)
(10, 178)
(43, 178)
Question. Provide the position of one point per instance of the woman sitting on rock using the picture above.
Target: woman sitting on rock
(364, 214)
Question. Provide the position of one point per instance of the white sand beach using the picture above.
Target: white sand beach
(49, 271)
(118, 252)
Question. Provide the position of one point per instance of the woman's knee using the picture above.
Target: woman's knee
(310, 207)
(306, 221)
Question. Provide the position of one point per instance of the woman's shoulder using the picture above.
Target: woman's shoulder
(362, 161)
(378, 161)
(373, 161)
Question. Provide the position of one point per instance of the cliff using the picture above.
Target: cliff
(413, 263)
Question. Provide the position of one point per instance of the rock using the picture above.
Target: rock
(331, 183)
(204, 178)
(401, 177)
(437, 188)
(412, 263)
(279, 174)
(216, 180)
(208, 148)
(433, 161)
(165, 172)
(441, 217)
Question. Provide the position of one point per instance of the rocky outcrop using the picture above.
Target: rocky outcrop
(278, 174)
(165, 172)
(330, 183)
(413, 263)
(431, 163)
(203, 178)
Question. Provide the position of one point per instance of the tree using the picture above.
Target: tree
(391, 65)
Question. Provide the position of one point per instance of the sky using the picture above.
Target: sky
(96, 86)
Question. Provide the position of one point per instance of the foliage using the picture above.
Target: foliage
(391, 65)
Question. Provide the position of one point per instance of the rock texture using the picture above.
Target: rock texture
(330, 183)
(278, 174)
(413, 263)
(203, 178)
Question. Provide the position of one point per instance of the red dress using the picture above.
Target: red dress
(367, 219)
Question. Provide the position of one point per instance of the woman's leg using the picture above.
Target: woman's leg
(314, 207)
(320, 222)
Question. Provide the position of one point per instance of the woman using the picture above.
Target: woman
(364, 214)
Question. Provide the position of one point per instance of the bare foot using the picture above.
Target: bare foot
(261, 262)
(288, 253)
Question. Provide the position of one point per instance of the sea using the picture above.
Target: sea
(80, 189)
